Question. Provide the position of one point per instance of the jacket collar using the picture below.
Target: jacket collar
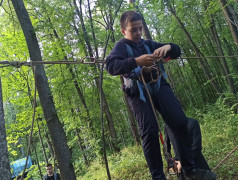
(133, 44)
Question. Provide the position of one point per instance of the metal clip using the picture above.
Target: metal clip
(90, 58)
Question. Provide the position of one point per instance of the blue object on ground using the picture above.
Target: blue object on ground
(18, 166)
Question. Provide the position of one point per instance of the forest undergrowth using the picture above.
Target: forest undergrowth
(219, 127)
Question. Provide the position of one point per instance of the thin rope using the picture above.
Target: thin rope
(82, 61)
(32, 125)
(208, 57)
(166, 154)
(227, 156)
(102, 125)
(33, 63)
(101, 101)
(102, 112)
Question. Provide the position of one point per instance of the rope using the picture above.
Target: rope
(93, 60)
(34, 63)
(227, 156)
(208, 57)
(166, 154)
(101, 101)
(32, 125)
(102, 124)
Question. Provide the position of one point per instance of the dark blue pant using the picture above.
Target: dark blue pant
(173, 115)
(195, 134)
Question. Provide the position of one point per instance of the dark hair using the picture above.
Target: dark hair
(19, 177)
(49, 164)
(129, 16)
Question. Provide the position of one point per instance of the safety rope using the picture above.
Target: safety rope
(34, 63)
(93, 60)
(231, 56)
(32, 125)
(227, 156)
(166, 154)
(102, 120)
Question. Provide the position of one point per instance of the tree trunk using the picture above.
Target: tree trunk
(79, 12)
(77, 130)
(229, 18)
(230, 50)
(83, 101)
(5, 173)
(108, 113)
(105, 105)
(37, 160)
(41, 141)
(197, 51)
(76, 84)
(234, 60)
(92, 29)
(37, 120)
(111, 26)
(21, 148)
(81, 147)
(52, 153)
(146, 31)
(221, 53)
(131, 118)
(62, 151)
(213, 51)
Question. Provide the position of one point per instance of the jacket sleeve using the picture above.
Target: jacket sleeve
(174, 53)
(117, 62)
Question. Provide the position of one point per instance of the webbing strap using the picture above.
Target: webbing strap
(161, 66)
(137, 72)
(147, 49)
(129, 50)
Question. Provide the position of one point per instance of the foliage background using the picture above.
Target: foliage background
(59, 29)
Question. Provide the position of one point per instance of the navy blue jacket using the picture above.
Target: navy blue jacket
(118, 61)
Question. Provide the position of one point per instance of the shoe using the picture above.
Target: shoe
(200, 174)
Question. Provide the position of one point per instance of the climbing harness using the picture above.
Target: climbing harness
(138, 74)
(134, 77)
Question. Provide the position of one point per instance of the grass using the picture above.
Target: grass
(219, 127)
(128, 164)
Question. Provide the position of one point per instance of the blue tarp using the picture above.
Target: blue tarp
(18, 166)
